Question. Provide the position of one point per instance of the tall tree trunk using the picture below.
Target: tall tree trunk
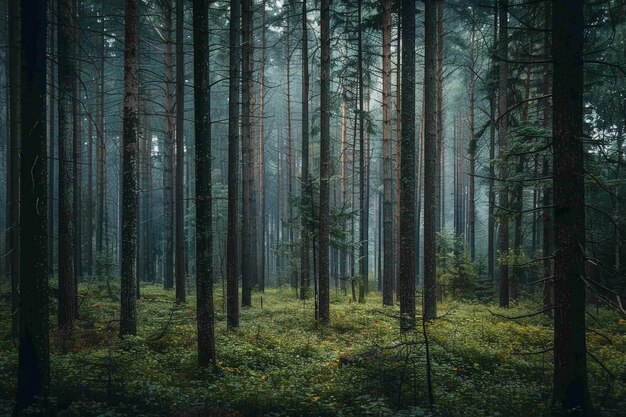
(290, 170)
(440, 172)
(503, 104)
(248, 251)
(398, 184)
(101, 157)
(52, 157)
(66, 90)
(325, 169)
(204, 237)
(306, 191)
(180, 153)
(570, 393)
(13, 174)
(128, 319)
(261, 157)
(232, 255)
(77, 162)
(491, 221)
(363, 209)
(407, 184)
(388, 258)
(430, 162)
(33, 373)
(168, 152)
(473, 145)
(548, 211)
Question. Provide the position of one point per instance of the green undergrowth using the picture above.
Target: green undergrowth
(279, 363)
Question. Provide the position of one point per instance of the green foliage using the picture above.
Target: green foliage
(457, 275)
(280, 364)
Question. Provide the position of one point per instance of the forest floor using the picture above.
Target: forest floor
(278, 363)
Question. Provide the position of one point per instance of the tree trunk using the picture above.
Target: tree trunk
(204, 237)
(548, 211)
(13, 174)
(261, 155)
(363, 209)
(52, 157)
(388, 258)
(503, 103)
(180, 153)
(430, 162)
(306, 192)
(101, 157)
(473, 145)
(491, 221)
(248, 251)
(570, 393)
(66, 90)
(232, 255)
(407, 184)
(168, 152)
(128, 319)
(33, 373)
(440, 169)
(325, 169)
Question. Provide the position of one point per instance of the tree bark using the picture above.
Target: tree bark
(180, 153)
(33, 373)
(204, 237)
(248, 251)
(13, 174)
(570, 393)
(306, 192)
(407, 184)
(325, 170)
(168, 152)
(363, 208)
(128, 319)
(388, 258)
(430, 162)
(232, 255)
(503, 103)
(66, 89)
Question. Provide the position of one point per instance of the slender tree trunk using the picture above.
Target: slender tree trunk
(430, 163)
(66, 90)
(503, 104)
(398, 152)
(77, 162)
(440, 169)
(306, 191)
(473, 145)
(128, 319)
(491, 226)
(232, 255)
(101, 157)
(180, 153)
(570, 393)
(248, 252)
(168, 152)
(261, 153)
(388, 258)
(52, 157)
(325, 168)
(13, 174)
(290, 171)
(363, 209)
(204, 238)
(33, 373)
(548, 211)
(89, 206)
(407, 190)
